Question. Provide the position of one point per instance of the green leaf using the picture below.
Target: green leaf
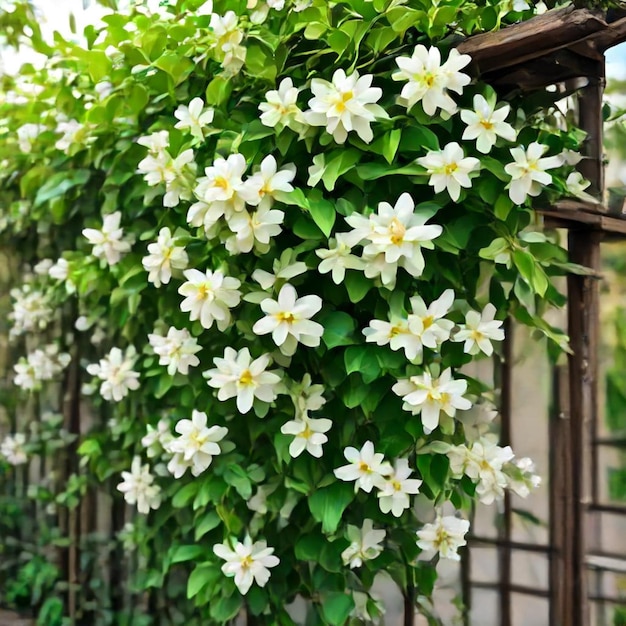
(58, 184)
(357, 285)
(336, 607)
(323, 213)
(337, 164)
(338, 329)
(225, 609)
(328, 504)
(391, 143)
(236, 477)
(373, 171)
(309, 547)
(362, 359)
(185, 495)
(218, 91)
(202, 576)
(210, 521)
(180, 554)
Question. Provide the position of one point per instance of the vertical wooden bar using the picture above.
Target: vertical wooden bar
(560, 567)
(583, 323)
(590, 120)
(505, 534)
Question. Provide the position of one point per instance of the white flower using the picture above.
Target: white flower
(164, 256)
(394, 496)
(483, 463)
(528, 171)
(435, 329)
(31, 310)
(346, 104)
(156, 167)
(366, 467)
(12, 449)
(306, 397)
(236, 375)
(26, 134)
(196, 446)
(41, 268)
(337, 258)
(431, 396)
(281, 107)
(308, 435)
(485, 124)
(108, 242)
(254, 230)
(138, 487)
(397, 236)
(177, 350)
(365, 544)
(449, 169)
(209, 296)
(444, 536)
(429, 80)
(156, 440)
(521, 476)
(479, 331)
(39, 366)
(285, 267)
(576, 185)
(398, 333)
(221, 185)
(155, 142)
(248, 562)
(180, 176)
(59, 270)
(227, 39)
(261, 187)
(73, 133)
(116, 373)
(288, 319)
(194, 118)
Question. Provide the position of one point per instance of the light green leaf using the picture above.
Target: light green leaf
(328, 504)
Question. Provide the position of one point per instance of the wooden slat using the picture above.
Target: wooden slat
(554, 30)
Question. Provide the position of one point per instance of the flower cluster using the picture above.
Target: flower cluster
(43, 364)
(368, 469)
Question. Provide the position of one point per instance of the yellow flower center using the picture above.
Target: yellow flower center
(204, 291)
(428, 321)
(340, 105)
(221, 182)
(307, 433)
(394, 331)
(450, 168)
(364, 467)
(397, 231)
(285, 316)
(246, 562)
(197, 439)
(246, 378)
(486, 124)
(476, 335)
(396, 485)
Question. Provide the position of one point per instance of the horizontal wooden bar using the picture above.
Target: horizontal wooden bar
(513, 545)
(554, 30)
(523, 589)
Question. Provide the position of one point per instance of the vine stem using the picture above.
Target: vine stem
(409, 605)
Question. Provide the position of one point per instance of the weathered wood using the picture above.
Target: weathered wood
(594, 221)
(546, 33)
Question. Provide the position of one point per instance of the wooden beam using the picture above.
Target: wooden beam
(554, 30)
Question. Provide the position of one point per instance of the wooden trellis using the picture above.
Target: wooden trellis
(564, 48)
